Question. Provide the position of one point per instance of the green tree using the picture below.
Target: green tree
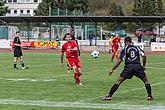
(43, 8)
(76, 5)
(3, 8)
(115, 10)
(46, 5)
(159, 7)
(147, 8)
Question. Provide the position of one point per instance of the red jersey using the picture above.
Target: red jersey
(116, 41)
(66, 47)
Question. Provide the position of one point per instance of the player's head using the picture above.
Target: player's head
(117, 35)
(17, 33)
(67, 37)
(127, 40)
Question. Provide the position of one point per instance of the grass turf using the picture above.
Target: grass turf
(46, 81)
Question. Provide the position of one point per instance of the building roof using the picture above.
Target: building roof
(19, 19)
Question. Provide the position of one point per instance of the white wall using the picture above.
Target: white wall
(22, 5)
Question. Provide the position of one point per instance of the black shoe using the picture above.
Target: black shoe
(16, 68)
(150, 98)
(108, 98)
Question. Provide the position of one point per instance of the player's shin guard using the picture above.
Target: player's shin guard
(76, 77)
(113, 89)
(148, 88)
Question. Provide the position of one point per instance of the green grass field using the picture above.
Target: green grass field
(47, 86)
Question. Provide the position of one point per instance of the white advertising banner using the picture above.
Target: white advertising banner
(156, 46)
(4, 43)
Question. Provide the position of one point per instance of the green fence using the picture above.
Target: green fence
(3, 32)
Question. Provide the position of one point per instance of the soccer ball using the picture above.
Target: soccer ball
(95, 54)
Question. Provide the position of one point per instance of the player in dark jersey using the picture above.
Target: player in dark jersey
(131, 54)
(18, 52)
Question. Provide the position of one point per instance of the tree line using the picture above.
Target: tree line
(109, 7)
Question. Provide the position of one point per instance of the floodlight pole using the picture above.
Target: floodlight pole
(29, 27)
(95, 33)
(50, 31)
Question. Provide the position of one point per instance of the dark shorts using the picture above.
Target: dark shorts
(17, 52)
(131, 70)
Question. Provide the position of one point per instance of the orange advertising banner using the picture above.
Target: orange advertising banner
(44, 44)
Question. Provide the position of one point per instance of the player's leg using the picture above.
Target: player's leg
(68, 68)
(114, 88)
(141, 74)
(76, 75)
(113, 54)
(16, 55)
(117, 55)
(15, 62)
(22, 63)
(148, 87)
(126, 74)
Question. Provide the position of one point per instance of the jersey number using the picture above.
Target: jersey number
(132, 54)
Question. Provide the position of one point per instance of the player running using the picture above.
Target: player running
(70, 48)
(18, 52)
(131, 54)
(115, 46)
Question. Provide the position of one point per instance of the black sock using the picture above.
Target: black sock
(148, 88)
(113, 89)
(15, 64)
(22, 64)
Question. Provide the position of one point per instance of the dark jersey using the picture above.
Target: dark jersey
(17, 41)
(131, 54)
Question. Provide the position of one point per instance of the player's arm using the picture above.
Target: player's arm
(144, 61)
(120, 42)
(141, 52)
(121, 58)
(115, 66)
(16, 42)
(74, 49)
(62, 55)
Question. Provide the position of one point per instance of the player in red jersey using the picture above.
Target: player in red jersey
(70, 49)
(115, 46)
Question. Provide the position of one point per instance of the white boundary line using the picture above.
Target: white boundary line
(155, 84)
(44, 103)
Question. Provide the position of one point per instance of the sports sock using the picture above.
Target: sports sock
(15, 64)
(22, 64)
(148, 88)
(76, 77)
(113, 89)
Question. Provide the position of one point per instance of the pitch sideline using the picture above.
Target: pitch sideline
(44, 103)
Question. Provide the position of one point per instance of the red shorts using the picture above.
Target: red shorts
(114, 49)
(73, 62)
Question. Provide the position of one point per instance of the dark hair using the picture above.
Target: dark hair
(128, 39)
(17, 32)
(66, 35)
